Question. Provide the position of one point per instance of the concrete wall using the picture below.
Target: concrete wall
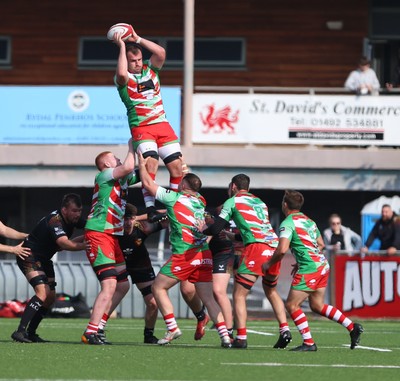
(274, 167)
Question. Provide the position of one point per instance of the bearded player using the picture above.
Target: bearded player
(138, 85)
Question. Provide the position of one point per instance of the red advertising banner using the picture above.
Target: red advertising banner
(368, 287)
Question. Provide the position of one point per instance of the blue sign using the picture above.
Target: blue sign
(71, 114)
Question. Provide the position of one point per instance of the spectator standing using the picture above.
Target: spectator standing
(363, 80)
(384, 230)
(340, 237)
(396, 241)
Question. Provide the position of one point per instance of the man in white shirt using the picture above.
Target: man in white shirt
(363, 81)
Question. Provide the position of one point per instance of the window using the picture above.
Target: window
(385, 24)
(208, 52)
(224, 53)
(98, 52)
(5, 51)
(384, 19)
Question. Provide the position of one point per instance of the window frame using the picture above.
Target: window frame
(6, 62)
(169, 64)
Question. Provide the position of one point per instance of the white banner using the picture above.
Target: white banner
(296, 119)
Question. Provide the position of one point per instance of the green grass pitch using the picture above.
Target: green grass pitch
(65, 358)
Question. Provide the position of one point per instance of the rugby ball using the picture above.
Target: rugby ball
(125, 29)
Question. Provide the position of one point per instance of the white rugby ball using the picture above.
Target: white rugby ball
(125, 29)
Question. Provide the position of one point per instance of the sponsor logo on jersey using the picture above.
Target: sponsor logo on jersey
(177, 268)
(59, 231)
(251, 264)
(205, 261)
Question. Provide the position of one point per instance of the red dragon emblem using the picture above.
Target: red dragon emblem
(218, 120)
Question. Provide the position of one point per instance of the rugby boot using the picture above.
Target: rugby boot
(305, 348)
(226, 342)
(239, 343)
(355, 335)
(91, 339)
(151, 339)
(284, 339)
(169, 336)
(102, 336)
(201, 328)
(20, 337)
(35, 338)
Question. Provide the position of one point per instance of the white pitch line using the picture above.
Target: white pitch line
(370, 348)
(312, 365)
(260, 333)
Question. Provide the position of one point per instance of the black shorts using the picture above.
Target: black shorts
(141, 275)
(236, 262)
(33, 263)
(223, 263)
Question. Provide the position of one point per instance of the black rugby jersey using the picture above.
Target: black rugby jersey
(42, 239)
(132, 245)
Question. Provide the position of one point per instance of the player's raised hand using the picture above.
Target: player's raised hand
(142, 160)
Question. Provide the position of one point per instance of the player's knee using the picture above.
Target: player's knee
(154, 288)
(291, 307)
(315, 307)
(152, 305)
(174, 156)
(218, 293)
(51, 298)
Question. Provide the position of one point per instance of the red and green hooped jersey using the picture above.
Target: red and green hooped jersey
(184, 211)
(108, 203)
(251, 217)
(142, 97)
(302, 232)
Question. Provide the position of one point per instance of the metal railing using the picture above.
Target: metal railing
(293, 90)
(78, 277)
